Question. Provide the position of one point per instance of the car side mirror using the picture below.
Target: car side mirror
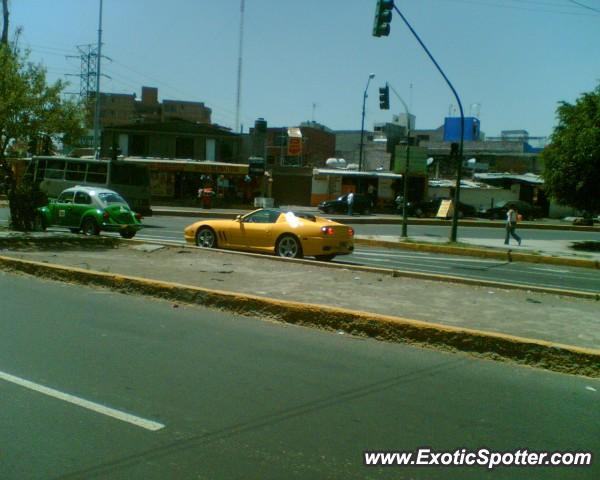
(238, 218)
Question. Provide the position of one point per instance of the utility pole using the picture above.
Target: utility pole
(239, 72)
(97, 111)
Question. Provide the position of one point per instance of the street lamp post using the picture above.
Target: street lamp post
(362, 125)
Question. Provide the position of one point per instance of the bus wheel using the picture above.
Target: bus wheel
(90, 227)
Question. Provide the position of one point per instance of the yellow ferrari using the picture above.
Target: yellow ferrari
(286, 234)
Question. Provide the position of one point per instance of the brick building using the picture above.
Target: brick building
(124, 109)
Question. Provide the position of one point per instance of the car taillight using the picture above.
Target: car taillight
(327, 230)
(106, 215)
(350, 232)
(138, 216)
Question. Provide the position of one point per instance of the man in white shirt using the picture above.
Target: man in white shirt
(511, 225)
(350, 201)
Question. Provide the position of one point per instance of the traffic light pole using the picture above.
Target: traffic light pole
(407, 166)
(454, 228)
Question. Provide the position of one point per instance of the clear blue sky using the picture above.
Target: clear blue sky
(515, 58)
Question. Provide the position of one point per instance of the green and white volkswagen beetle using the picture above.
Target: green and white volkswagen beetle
(90, 210)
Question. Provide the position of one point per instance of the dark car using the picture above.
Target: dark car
(361, 204)
(498, 212)
(429, 208)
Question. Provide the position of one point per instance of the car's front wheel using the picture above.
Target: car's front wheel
(206, 238)
(288, 246)
(90, 227)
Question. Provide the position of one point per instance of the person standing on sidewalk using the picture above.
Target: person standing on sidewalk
(511, 225)
(350, 202)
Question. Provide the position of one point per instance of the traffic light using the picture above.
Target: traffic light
(383, 18)
(384, 97)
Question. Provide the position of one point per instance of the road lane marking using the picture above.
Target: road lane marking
(95, 407)
(436, 259)
(552, 270)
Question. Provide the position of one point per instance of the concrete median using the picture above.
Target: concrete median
(537, 353)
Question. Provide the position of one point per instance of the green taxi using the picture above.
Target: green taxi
(90, 210)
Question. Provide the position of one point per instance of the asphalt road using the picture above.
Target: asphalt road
(170, 229)
(234, 397)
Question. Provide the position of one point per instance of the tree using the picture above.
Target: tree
(31, 112)
(572, 160)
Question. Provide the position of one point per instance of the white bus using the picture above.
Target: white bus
(54, 174)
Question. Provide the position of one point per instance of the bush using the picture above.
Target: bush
(23, 202)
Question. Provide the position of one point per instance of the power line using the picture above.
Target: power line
(536, 10)
(584, 6)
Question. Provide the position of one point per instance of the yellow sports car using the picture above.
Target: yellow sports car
(287, 234)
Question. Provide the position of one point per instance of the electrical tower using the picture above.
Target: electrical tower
(88, 56)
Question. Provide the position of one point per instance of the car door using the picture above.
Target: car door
(62, 208)
(82, 202)
(257, 230)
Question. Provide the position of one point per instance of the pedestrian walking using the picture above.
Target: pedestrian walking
(511, 225)
(350, 202)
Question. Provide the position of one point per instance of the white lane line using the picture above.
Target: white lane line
(552, 270)
(392, 264)
(95, 407)
(436, 259)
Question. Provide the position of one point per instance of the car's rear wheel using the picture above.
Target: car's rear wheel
(288, 246)
(325, 258)
(206, 238)
(127, 233)
(90, 227)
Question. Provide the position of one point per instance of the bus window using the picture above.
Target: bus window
(55, 169)
(128, 175)
(75, 171)
(96, 173)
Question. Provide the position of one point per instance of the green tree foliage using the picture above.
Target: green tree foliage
(32, 112)
(572, 160)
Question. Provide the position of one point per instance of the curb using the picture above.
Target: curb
(508, 255)
(536, 353)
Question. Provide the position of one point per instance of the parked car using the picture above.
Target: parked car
(429, 208)
(283, 233)
(361, 204)
(498, 212)
(90, 210)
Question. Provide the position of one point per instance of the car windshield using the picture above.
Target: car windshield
(111, 197)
